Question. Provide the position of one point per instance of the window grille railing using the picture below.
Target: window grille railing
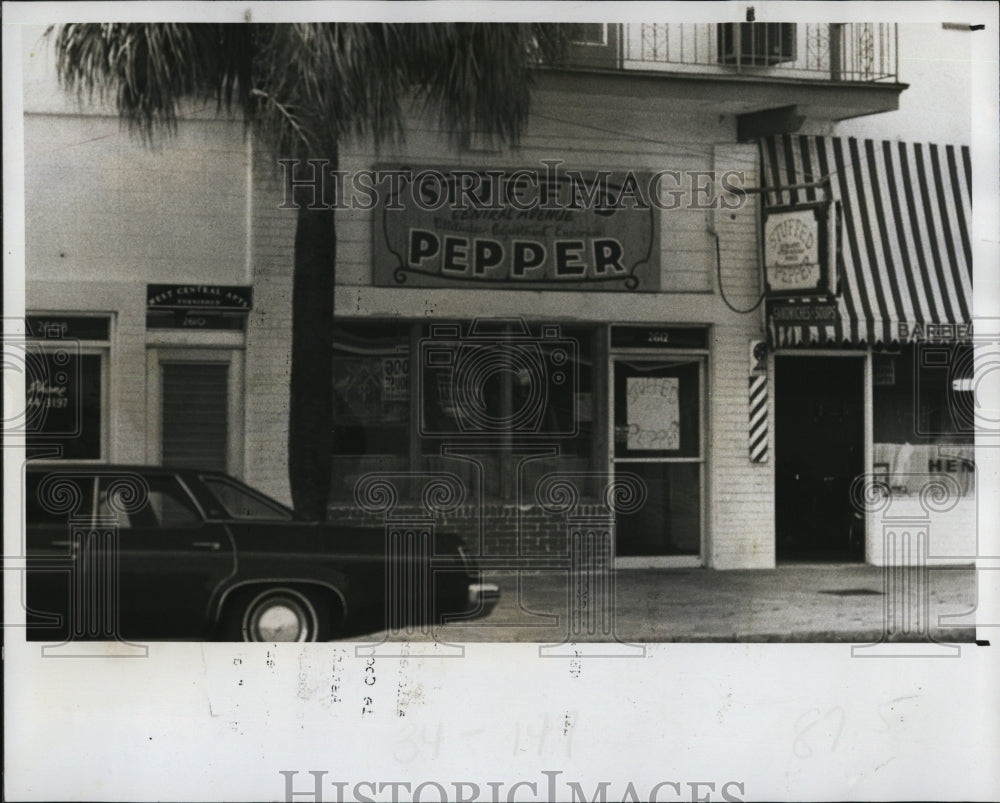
(852, 52)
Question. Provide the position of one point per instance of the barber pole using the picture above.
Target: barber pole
(758, 418)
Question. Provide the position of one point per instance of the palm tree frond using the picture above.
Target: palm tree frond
(305, 86)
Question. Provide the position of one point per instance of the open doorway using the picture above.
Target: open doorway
(819, 450)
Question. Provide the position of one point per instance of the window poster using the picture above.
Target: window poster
(653, 413)
(395, 379)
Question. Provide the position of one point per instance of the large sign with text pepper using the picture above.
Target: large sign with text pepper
(508, 228)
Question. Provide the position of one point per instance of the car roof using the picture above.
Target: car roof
(185, 472)
(109, 468)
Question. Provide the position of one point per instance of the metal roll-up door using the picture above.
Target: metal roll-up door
(195, 428)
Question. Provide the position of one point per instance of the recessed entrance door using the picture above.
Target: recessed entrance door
(819, 450)
(658, 436)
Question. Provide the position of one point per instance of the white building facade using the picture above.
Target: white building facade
(524, 350)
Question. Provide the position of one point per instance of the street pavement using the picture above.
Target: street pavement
(799, 603)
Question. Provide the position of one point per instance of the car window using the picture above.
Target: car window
(168, 505)
(242, 503)
(52, 497)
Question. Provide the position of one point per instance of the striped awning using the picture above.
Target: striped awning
(906, 259)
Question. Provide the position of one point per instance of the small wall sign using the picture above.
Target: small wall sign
(197, 306)
(199, 296)
(783, 313)
(75, 327)
(658, 337)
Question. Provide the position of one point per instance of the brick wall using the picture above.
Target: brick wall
(741, 492)
(491, 529)
(269, 330)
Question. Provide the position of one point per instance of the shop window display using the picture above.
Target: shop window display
(923, 423)
(408, 395)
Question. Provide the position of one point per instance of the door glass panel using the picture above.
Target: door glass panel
(239, 503)
(657, 408)
(819, 450)
(168, 505)
(670, 521)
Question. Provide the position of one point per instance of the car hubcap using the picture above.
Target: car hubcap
(279, 619)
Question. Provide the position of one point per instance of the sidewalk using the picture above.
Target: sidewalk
(799, 603)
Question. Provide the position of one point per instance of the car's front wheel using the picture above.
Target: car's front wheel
(277, 613)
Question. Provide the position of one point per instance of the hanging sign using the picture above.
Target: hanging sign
(800, 248)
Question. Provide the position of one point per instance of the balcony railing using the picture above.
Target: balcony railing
(854, 52)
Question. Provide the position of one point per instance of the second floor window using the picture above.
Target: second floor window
(588, 33)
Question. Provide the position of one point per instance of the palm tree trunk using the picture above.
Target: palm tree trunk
(310, 413)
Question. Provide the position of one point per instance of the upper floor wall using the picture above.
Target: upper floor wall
(101, 205)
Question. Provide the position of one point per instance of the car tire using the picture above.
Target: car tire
(277, 613)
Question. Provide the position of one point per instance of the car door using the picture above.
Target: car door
(58, 507)
(170, 560)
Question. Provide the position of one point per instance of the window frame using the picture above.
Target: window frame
(207, 481)
(589, 43)
(184, 494)
(703, 357)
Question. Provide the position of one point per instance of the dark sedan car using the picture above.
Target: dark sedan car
(147, 552)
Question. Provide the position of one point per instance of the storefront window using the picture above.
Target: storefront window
(412, 397)
(515, 399)
(923, 416)
(371, 390)
(512, 386)
(65, 385)
(371, 383)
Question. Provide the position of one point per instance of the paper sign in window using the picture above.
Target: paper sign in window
(395, 379)
(653, 413)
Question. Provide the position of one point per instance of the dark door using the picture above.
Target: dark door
(819, 450)
(170, 561)
(58, 506)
